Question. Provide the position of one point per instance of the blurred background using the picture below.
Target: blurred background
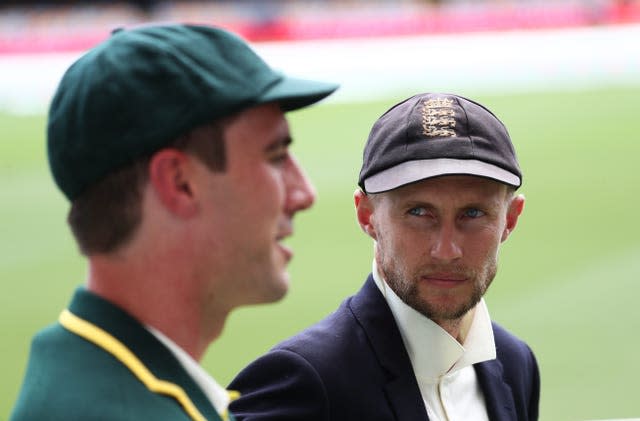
(564, 76)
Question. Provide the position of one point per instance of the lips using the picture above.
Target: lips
(286, 251)
(445, 280)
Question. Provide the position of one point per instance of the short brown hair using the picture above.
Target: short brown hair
(107, 214)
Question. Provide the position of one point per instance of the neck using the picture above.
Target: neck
(458, 328)
(452, 327)
(160, 299)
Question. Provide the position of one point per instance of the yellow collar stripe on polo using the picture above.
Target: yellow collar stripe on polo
(110, 344)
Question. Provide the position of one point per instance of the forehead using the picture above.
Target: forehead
(450, 188)
(264, 122)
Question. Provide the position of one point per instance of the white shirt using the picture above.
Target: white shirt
(217, 395)
(443, 368)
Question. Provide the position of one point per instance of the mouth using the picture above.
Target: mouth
(286, 251)
(445, 280)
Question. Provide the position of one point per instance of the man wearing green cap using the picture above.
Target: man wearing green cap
(171, 144)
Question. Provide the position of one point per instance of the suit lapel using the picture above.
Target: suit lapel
(497, 394)
(371, 310)
(406, 404)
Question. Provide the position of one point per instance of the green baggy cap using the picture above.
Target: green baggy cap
(142, 88)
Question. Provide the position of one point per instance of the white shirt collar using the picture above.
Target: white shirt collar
(217, 395)
(433, 352)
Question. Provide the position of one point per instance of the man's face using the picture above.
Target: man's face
(250, 207)
(437, 240)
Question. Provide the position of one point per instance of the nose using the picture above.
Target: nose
(446, 248)
(300, 192)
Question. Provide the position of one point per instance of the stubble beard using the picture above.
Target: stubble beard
(406, 287)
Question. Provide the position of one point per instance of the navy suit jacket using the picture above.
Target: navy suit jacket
(353, 366)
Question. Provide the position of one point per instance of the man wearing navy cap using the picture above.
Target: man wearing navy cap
(172, 146)
(437, 194)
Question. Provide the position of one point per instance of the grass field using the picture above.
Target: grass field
(569, 277)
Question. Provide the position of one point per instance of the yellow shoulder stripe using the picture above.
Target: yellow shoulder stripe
(110, 344)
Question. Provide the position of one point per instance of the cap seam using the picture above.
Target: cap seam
(407, 124)
(466, 118)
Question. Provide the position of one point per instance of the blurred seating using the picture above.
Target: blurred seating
(66, 25)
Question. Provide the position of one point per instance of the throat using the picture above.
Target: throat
(458, 328)
(452, 327)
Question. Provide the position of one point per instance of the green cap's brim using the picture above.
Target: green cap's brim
(293, 93)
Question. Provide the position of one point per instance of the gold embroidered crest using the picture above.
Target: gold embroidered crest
(438, 118)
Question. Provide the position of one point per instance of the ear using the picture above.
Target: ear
(364, 212)
(170, 175)
(516, 207)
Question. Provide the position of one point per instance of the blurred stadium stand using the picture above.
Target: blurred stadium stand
(59, 25)
(514, 45)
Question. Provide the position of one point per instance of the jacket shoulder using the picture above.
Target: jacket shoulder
(520, 370)
(311, 375)
(87, 383)
(512, 350)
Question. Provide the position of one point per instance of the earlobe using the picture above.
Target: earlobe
(513, 213)
(364, 213)
(170, 178)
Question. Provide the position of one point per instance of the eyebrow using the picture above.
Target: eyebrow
(282, 142)
(480, 203)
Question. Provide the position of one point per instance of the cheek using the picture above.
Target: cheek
(405, 249)
(277, 195)
(484, 251)
(266, 194)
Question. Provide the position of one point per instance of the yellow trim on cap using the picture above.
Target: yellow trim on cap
(110, 344)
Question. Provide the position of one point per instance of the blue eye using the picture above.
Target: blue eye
(473, 213)
(418, 211)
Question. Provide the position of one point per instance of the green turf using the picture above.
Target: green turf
(568, 282)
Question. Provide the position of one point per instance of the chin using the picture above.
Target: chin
(277, 289)
(284, 286)
(277, 297)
